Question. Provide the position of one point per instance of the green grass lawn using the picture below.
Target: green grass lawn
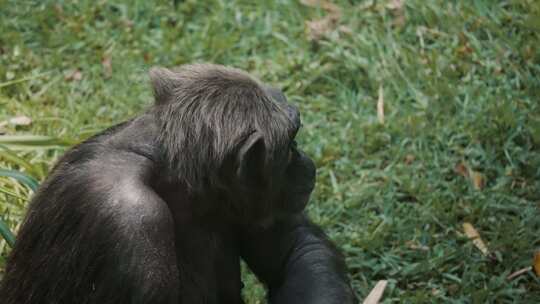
(460, 142)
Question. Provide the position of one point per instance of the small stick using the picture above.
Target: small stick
(518, 273)
(376, 293)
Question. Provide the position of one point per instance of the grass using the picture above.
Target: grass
(460, 141)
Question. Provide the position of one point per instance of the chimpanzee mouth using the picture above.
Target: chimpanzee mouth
(299, 191)
(298, 200)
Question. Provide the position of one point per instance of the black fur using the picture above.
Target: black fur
(161, 208)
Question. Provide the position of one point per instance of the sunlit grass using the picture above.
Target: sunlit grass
(460, 86)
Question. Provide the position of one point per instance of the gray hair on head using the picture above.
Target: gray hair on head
(206, 111)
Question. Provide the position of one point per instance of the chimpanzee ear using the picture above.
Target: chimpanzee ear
(163, 83)
(251, 160)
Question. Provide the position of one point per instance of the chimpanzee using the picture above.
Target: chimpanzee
(161, 208)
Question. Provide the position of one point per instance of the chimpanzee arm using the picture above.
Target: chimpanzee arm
(297, 262)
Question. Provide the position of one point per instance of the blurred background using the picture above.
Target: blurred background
(423, 118)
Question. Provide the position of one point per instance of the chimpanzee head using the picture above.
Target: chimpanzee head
(230, 138)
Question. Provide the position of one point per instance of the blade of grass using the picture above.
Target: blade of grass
(15, 81)
(6, 233)
(11, 157)
(21, 177)
(11, 193)
(34, 142)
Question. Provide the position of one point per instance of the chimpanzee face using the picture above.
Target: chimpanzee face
(265, 187)
(298, 180)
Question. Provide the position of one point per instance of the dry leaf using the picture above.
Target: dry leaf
(415, 246)
(59, 10)
(462, 169)
(395, 4)
(536, 264)
(398, 10)
(106, 62)
(376, 293)
(464, 50)
(317, 29)
(473, 235)
(345, 29)
(21, 121)
(74, 75)
(518, 273)
(399, 20)
(16, 121)
(436, 292)
(326, 5)
(380, 105)
(409, 159)
(147, 57)
(128, 23)
(477, 180)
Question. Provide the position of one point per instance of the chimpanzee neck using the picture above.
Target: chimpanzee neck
(140, 136)
(137, 135)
